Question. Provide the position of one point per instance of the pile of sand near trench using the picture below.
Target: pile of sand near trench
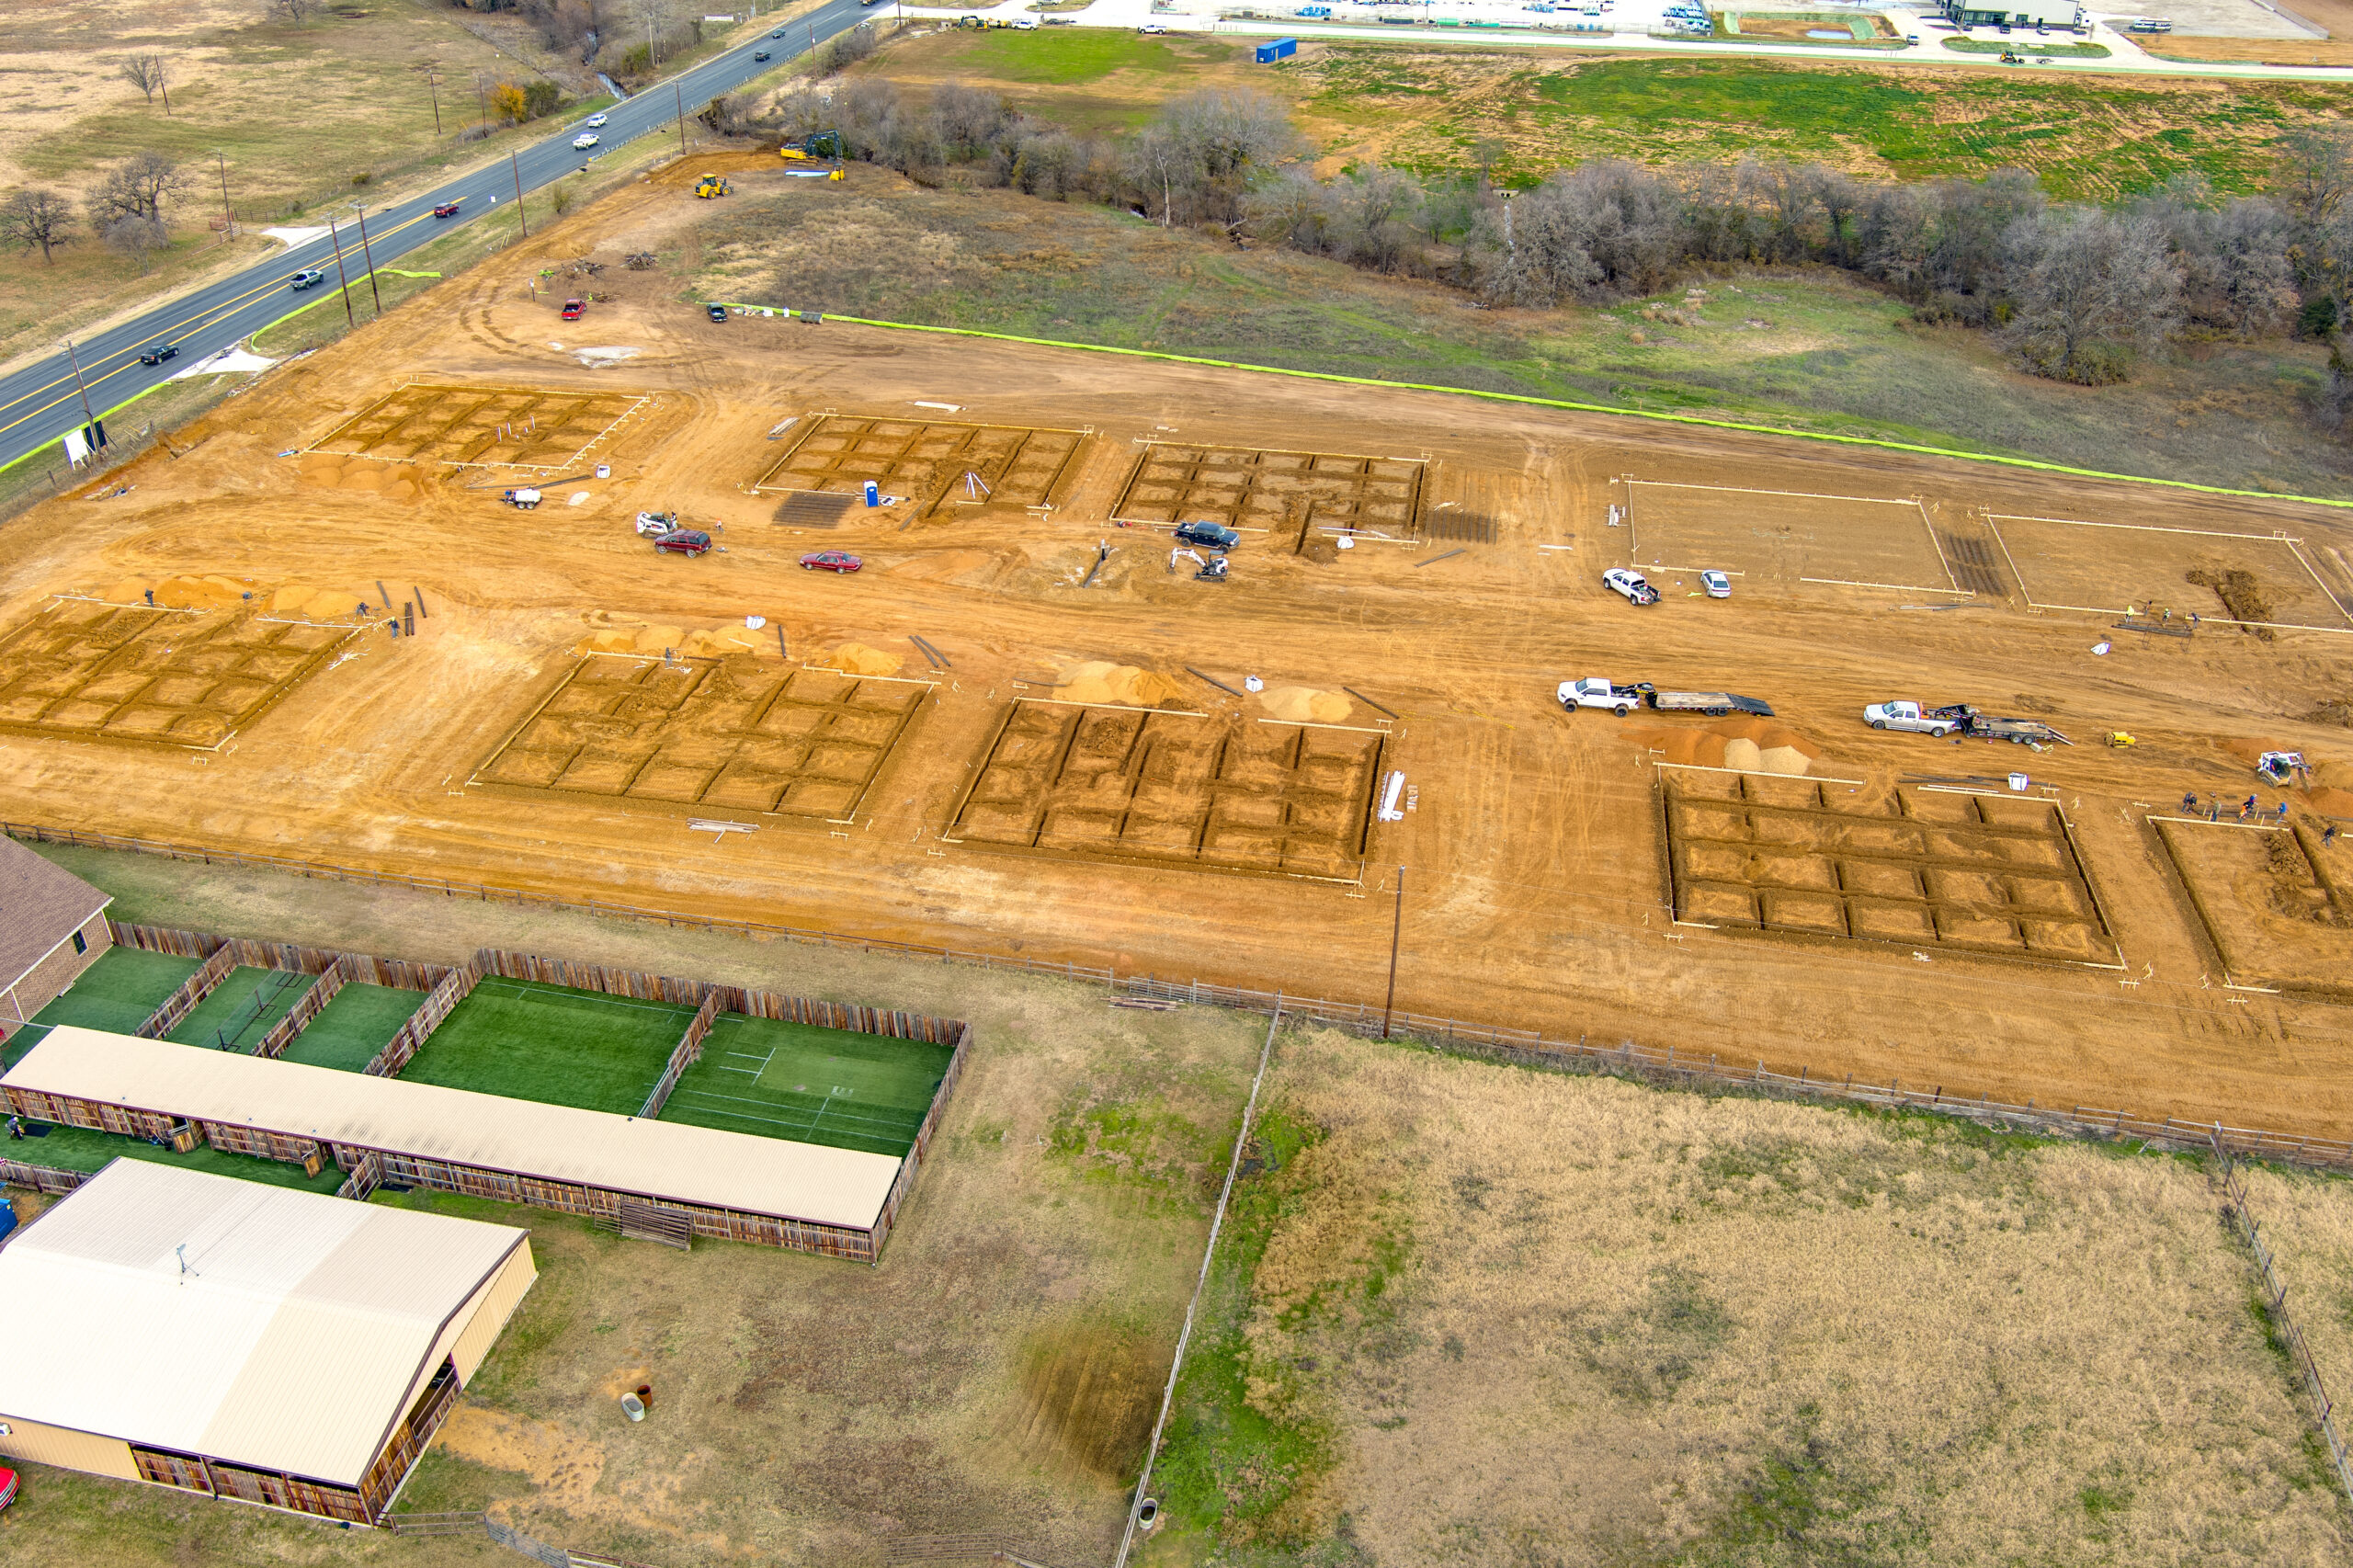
(214, 591)
(1305, 705)
(1746, 744)
(1124, 684)
(860, 659)
(335, 471)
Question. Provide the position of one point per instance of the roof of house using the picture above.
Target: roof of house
(263, 1325)
(41, 903)
(622, 1153)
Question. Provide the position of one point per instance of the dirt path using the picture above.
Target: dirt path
(1534, 888)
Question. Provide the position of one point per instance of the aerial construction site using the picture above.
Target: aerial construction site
(1024, 725)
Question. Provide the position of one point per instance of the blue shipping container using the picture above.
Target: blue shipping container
(1281, 49)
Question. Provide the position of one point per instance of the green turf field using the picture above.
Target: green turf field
(816, 1085)
(119, 992)
(552, 1044)
(79, 1148)
(350, 1029)
(244, 1006)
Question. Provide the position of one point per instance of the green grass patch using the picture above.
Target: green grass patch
(553, 1044)
(353, 1027)
(117, 994)
(810, 1085)
(1065, 59)
(244, 1006)
(79, 1148)
(2051, 51)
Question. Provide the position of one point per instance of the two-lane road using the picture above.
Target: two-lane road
(41, 402)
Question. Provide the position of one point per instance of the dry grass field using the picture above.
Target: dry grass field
(1474, 1316)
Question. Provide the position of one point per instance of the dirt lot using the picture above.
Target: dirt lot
(996, 1374)
(1476, 1316)
(1530, 842)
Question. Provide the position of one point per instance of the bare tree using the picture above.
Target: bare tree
(137, 238)
(297, 11)
(137, 187)
(30, 218)
(2314, 171)
(147, 73)
(1378, 207)
(2088, 287)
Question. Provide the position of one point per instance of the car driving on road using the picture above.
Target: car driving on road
(585, 141)
(761, 55)
(305, 279)
(446, 210)
(831, 561)
(596, 123)
(157, 353)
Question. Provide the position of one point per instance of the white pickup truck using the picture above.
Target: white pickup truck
(1911, 716)
(1594, 692)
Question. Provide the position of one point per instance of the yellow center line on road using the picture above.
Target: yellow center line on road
(202, 318)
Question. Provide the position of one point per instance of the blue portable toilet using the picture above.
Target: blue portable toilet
(873, 494)
(1281, 49)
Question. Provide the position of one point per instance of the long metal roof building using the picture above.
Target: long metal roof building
(242, 1340)
(846, 1189)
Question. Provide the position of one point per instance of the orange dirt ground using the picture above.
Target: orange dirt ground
(1534, 862)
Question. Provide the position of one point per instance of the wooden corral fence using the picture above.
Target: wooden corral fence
(192, 991)
(689, 1052)
(455, 986)
(41, 1179)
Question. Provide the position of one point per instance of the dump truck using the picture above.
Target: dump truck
(710, 185)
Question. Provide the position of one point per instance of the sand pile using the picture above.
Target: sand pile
(1305, 705)
(1130, 687)
(684, 644)
(199, 593)
(318, 604)
(857, 659)
(1749, 745)
(333, 471)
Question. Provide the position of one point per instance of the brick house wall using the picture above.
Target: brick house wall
(47, 979)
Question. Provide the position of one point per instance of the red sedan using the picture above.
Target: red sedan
(832, 561)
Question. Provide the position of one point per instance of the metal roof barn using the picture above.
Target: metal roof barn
(243, 1340)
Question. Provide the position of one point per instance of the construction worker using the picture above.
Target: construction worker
(2283, 811)
(2248, 810)
(2328, 833)
(2189, 802)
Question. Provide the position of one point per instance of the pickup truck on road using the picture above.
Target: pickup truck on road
(1594, 692)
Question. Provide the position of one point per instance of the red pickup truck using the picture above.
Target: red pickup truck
(572, 308)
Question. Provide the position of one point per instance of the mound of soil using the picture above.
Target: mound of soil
(2241, 595)
(1127, 684)
(1748, 744)
(1305, 705)
(857, 659)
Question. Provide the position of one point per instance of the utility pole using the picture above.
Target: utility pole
(679, 93)
(517, 170)
(77, 359)
(370, 257)
(433, 86)
(481, 99)
(1396, 926)
(341, 278)
(227, 218)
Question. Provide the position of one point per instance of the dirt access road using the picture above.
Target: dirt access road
(1534, 866)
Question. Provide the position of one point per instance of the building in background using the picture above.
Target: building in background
(52, 926)
(246, 1341)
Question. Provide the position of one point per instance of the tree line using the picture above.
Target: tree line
(2075, 290)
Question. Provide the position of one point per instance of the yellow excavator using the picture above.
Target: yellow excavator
(708, 187)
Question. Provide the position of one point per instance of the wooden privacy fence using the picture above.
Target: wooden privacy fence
(298, 1018)
(191, 992)
(41, 1179)
(689, 1052)
(455, 987)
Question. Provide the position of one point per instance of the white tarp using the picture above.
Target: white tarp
(78, 451)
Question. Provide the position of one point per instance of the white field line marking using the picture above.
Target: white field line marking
(1798, 495)
(1898, 588)
(2140, 528)
(2317, 582)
